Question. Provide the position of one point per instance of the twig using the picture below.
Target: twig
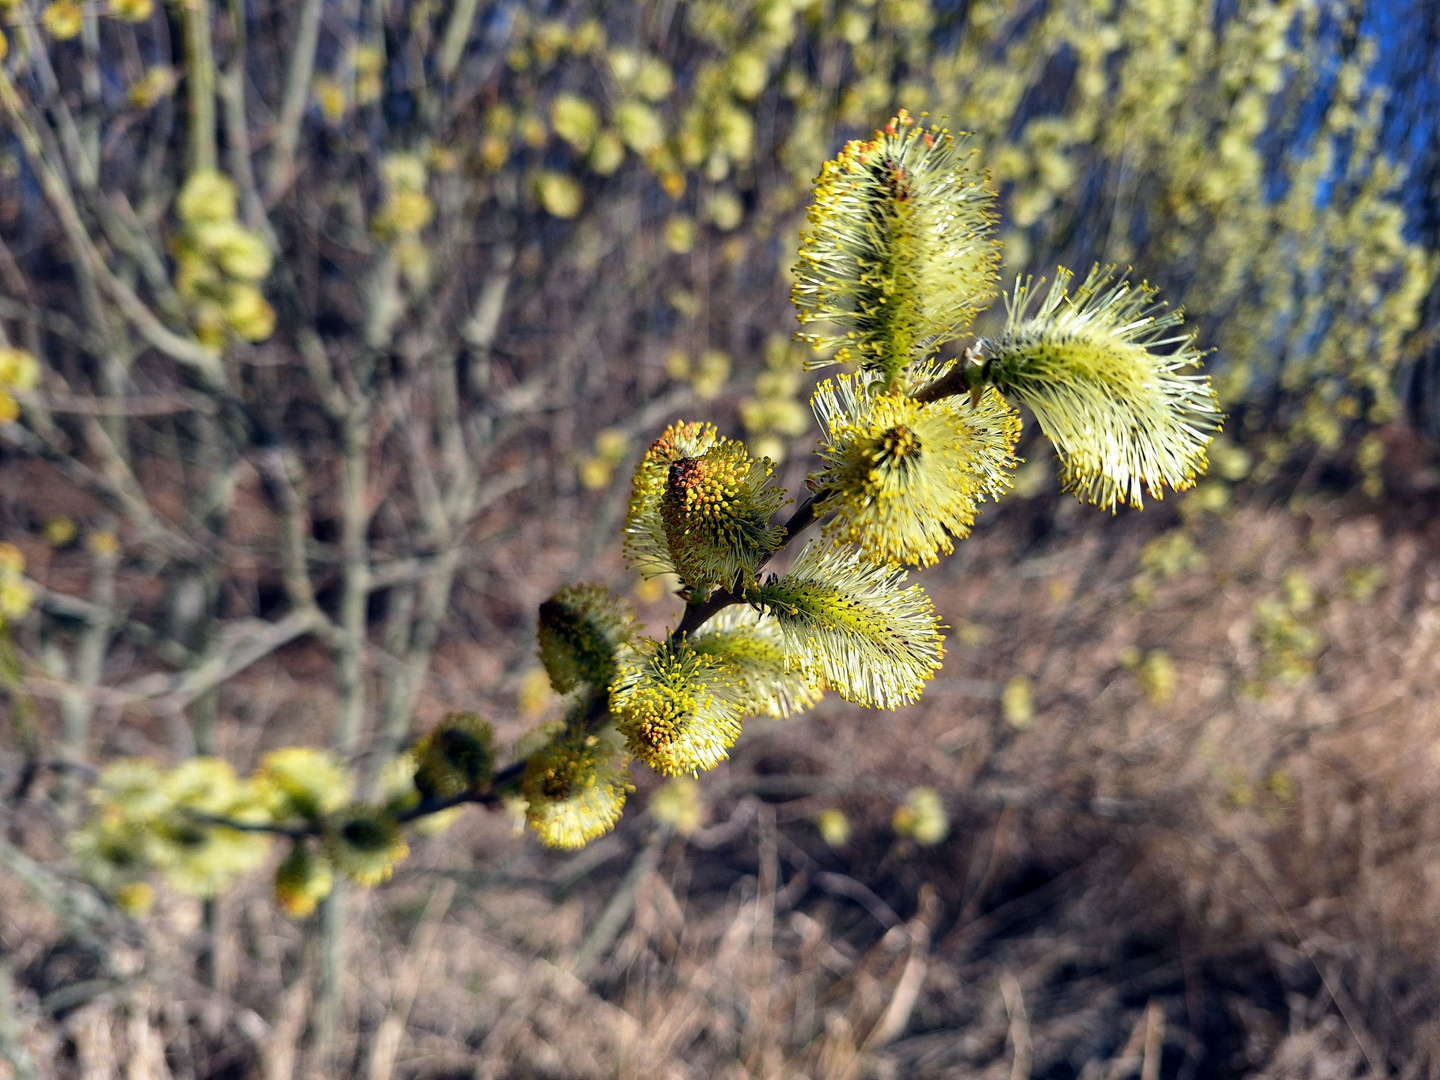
(12, 1037)
(297, 93)
(200, 79)
(612, 920)
(907, 990)
(1019, 1028)
(965, 377)
(186, 351)
(385, 1045)
(457, 32)
(699, 612)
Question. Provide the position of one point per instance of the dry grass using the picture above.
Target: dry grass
(1240, 880)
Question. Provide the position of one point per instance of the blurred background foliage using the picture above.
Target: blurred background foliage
(325, 321)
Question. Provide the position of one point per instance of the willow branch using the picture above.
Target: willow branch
(297, 93)
(965, 377)
(457, 32)
(200, 81)
(355, 582)
(186, 351)
(699, 612)
(239, 645)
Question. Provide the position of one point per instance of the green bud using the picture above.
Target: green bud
(302, 880)
(581, 627)
(457, 757)
(364, 843)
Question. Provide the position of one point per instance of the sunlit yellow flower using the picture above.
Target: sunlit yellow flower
(716, 512)
(18, 369)
(237, 250)
(249, 313)
(922, 817)
(1123, 416)
(646, 548)
(63, 19)
(575, 120)
(850, 623)
(752, 645)
(208, 196)
(903, 478)
(560, 195)
(575, 789)
(303, 782)
(678, 804)
(898, 253)
(678, 708)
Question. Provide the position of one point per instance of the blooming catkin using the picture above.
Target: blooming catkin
(898, 253)
(904, 479)
(1124, 417)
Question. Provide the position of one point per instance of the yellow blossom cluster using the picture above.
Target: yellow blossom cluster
(16, 595)
(19, 373)
(219, 263)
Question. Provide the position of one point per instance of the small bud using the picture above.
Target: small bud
(560, 195)
(364, 843)
(607, 155)
(581, 627)
(16, 596)
(236, 250)
(574, 120)
(18, 369)
(63, 19)
(834, 826)
(135, 898)
(678, 804)
(302, 880)
(457, 757)
(1157, 678)
(1017, 705)
(922, 817)
(249, 313)
(159, 81)
(409, 211)
(60, 531)
(639, 126)
(208, 196)
(533, 697)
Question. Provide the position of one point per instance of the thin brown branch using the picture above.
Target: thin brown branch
(297, 94)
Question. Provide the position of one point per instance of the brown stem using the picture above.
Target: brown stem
(699, 612)
(966, 377)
